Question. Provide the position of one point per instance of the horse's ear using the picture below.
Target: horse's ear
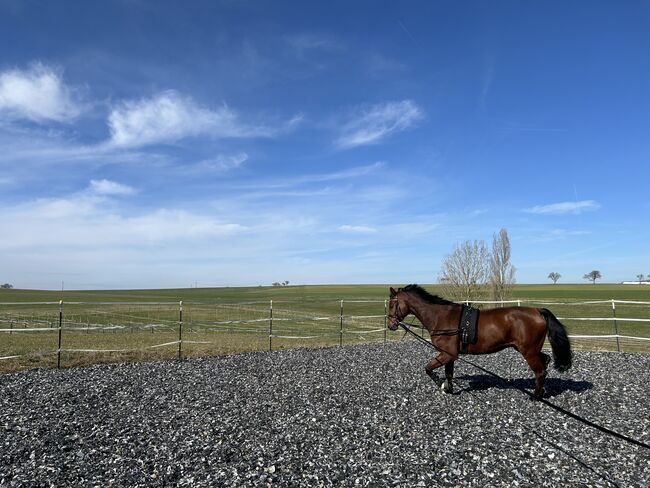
(392, 292)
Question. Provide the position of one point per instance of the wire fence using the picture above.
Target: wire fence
(73, 333)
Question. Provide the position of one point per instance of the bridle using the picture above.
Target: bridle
(397, 320)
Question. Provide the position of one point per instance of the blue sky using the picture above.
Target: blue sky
(164, 144)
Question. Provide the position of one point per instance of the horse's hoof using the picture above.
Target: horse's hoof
(537, 396)
(447, 387)
(432, 375)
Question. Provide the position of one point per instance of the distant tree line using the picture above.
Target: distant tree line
(7, 286)
(283, 283)
(591, 276)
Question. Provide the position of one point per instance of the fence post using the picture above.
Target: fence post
(341, 332)
(618, 345)
(58, 350)
(11, 326)
(180, 327)
(519, 303)
(385, 320)
(271, 326)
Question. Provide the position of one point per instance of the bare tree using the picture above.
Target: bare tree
(640, 277)
(554, 276)
(592, 276)
(502, 272)
(464, 272)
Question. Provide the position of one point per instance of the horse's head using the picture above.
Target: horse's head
(397, 308)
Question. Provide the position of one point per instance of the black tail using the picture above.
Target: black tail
(559, 340)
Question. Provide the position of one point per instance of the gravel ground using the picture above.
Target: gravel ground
(358, 415)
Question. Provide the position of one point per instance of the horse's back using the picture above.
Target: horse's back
(509, 327)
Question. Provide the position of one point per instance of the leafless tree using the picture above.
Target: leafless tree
(502, 272)
(554, 276)
(592, 276)
(640, 277)
(464, 272)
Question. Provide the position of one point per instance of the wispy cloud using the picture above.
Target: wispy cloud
(169, 117)
(358, 229)
(108, 187)
(373, 124)
(85, 218)
(37, 94)
(220, 163)
(565, 208)
(310, 42)
(342, 175)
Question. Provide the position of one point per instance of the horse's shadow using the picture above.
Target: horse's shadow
(553, 386)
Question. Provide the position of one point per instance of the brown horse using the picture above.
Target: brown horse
(523, 328)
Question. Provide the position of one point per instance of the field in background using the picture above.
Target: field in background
(137, 325)
(319, 293)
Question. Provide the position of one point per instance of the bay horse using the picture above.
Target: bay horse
(523, 328)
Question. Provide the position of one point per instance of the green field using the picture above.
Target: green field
(133, 323)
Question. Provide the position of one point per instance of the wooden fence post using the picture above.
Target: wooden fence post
(180, 328)
(341, 332)
(385, 320)
(271, 326)
(58, 350)
(618, 344)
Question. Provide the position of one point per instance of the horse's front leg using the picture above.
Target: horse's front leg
(436, 362)
(448, 386)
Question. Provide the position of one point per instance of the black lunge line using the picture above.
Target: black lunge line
(546, 402)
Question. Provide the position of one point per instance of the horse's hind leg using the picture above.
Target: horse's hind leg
(546, 359)
(538, 362)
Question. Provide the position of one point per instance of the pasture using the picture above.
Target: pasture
(362, 415)
(137, 325)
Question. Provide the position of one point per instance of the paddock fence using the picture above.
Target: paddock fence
(56, 334)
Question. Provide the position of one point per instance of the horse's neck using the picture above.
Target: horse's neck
(429, 314)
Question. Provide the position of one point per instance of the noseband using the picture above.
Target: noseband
(396, 317)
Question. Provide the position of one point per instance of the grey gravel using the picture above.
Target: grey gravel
(353, 416)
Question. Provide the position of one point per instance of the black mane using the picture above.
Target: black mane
(425, 295)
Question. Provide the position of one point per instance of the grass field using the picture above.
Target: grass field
(133, 324)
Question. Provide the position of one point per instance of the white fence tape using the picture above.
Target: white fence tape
(610, 336)
(295, 337)
(610, 319)
(29, 329)
(373, 331)
(129, 321)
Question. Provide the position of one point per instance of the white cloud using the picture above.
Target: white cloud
(85, 221)
(169, 117)
(357, 229)
(38, 94)
(221, 162)
(107, 187)
(577, 207)
(377, 122)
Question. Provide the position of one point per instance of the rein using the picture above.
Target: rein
(407, 327)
